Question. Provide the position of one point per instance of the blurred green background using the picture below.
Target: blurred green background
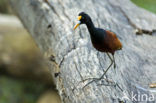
(146, 4)
(4, 7)
(24, 76)
(22, 66)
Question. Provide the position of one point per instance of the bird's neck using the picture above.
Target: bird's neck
(90, 27)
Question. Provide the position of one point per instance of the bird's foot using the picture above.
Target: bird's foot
(88, 79)
(92, 80)
(106, 83)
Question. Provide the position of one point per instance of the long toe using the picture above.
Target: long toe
(107, 82)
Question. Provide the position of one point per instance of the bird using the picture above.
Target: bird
(102, 40)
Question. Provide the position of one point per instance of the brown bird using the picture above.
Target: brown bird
(102, 40)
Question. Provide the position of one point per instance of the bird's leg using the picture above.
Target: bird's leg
(114, 61)
(110, 83)
(109, 65)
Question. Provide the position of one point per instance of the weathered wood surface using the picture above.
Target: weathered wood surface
(51, 22)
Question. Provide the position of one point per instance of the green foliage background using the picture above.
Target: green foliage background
(19, 91)
(4, 6)
(146, 4)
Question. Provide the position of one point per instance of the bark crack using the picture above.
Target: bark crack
(63, 8)
(53, 9)
(61, 62)
(80, 33)
(139, 31)
(64, 56)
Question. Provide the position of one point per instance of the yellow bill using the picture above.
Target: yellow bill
(79, 18)
(76, 26)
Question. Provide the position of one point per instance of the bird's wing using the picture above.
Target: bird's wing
(112, 41)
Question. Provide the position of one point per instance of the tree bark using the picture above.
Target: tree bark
(51, 22)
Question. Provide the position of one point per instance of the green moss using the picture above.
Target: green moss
(147, 4)
(19, 91)
(4, 6)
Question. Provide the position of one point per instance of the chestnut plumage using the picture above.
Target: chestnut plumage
(107, 43)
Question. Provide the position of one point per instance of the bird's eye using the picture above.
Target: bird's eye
(82, 18)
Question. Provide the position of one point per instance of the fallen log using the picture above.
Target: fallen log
(72, 57)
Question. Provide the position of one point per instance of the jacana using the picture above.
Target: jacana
(102, 40)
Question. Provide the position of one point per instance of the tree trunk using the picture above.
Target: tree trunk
(51, 22)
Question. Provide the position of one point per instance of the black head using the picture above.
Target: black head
(83, 18)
